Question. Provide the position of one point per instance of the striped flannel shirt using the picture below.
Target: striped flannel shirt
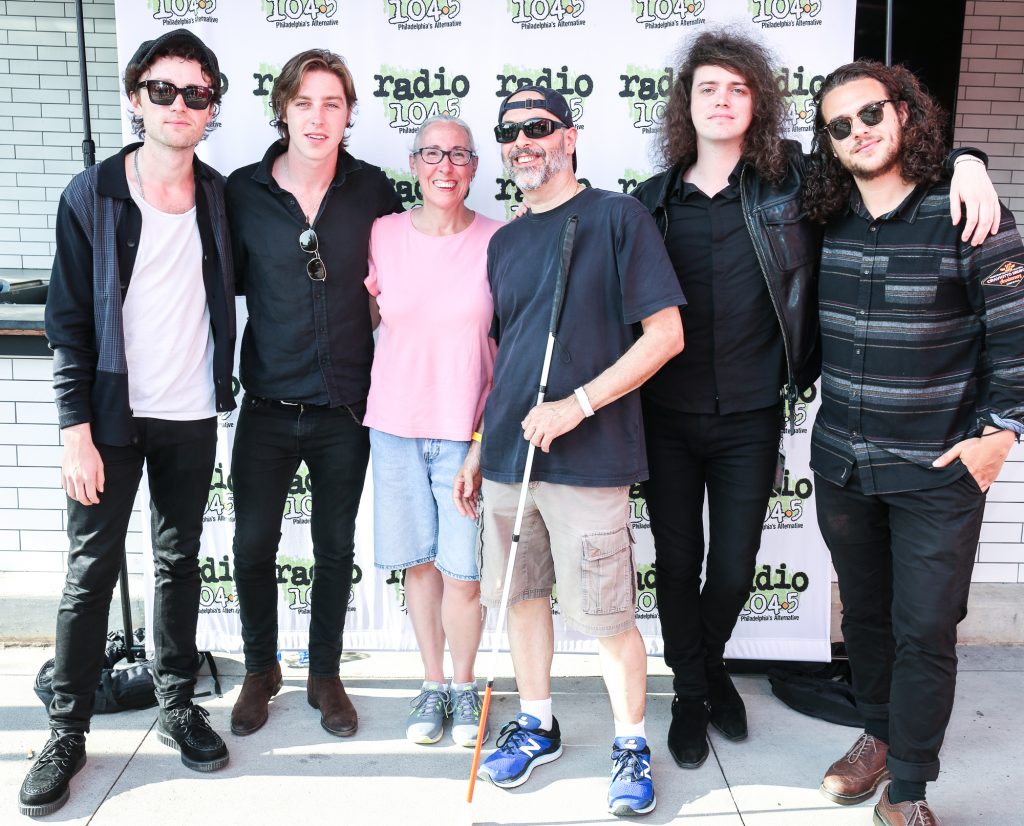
(922, 342)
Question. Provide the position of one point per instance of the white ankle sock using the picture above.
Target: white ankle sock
(541, 709)
(630, 729)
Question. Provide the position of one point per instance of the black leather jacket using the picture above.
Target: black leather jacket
(788, 248)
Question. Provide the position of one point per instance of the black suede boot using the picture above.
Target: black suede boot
(728, 714)
(688, 733)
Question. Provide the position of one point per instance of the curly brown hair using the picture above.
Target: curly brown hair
(762, 144)
(286, 86)
(922, 151)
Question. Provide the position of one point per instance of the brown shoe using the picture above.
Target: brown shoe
(250, 711)
(908, 813)
(337, 714)
(855, 776)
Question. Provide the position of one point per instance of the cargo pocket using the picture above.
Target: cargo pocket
(607, 586)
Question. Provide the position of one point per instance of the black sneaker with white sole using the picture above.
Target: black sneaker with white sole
(45, 788)
(186, 730)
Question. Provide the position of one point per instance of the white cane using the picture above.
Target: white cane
(565, 248)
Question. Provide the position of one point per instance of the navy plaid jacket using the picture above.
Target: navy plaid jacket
(98, 227)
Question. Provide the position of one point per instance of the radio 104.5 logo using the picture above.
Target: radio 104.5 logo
(646, 91)
(298, 14)
(775, 14)
(663, 14)
(410, 96)
(423, 14)
(184, 12)
(547, 14)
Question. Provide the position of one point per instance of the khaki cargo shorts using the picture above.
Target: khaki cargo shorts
(578, 537)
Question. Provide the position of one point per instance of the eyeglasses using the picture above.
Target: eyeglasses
(533, 128)
(433, 155)
(308, 243)
(871, 115)
(163, 93)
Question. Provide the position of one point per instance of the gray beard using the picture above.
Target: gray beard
(533, 178)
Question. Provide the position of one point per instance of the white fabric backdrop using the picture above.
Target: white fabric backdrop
(414, 58)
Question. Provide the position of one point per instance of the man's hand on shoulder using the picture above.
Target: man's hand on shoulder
(972, 185)
(983, 455)
(547, 421)
(82, 467)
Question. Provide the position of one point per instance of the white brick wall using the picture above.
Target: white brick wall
(990, 100)
(33, 519)
(41, 116)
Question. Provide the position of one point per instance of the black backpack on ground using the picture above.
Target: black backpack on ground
(122, 687)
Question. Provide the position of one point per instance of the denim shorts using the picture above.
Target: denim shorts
(577, 536)
(414, 517)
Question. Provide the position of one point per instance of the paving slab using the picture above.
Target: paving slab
(293, 771)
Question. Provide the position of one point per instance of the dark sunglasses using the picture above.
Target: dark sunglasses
(533, 128)
(308, 243)
(433, 155)
(871, 115)
(163, 93)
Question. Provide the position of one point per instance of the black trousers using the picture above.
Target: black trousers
(270, 441)
(179, 459)
(904, 562)
(733, 457)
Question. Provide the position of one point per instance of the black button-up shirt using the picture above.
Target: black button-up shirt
(306, 341)
(734, 359)
(922, 341)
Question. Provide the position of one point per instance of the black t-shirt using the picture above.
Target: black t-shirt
(620, 274)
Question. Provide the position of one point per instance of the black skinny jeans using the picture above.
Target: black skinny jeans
(271, 440)
(904, 563)
(179, 460)
(733, 457)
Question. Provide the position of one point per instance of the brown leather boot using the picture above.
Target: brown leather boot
(908, 813)
(855, 776)
(337, 714)
(250, 711)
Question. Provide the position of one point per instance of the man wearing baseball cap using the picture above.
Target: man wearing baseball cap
(140, 318)
(590, 437)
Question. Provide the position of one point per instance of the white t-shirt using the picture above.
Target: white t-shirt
(167, 335)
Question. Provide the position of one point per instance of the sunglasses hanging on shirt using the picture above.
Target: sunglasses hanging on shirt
(309, 244)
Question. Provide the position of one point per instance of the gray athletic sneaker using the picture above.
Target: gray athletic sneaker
(466, 707)
(425, 723)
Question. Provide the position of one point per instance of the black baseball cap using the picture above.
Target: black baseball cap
(552, 102)
(181, 38)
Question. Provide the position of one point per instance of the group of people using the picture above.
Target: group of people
(852, 263)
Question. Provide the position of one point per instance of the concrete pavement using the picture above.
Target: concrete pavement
(293, 772)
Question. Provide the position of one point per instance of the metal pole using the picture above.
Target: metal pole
(888, 32)
(88, 146)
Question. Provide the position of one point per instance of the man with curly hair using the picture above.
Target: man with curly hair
(922, 399)
(140, 317)
(729, 207)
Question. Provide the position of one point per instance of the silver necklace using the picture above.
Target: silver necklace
(138, 177)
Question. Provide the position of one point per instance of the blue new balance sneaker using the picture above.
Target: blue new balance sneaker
(522, 746)
(632, 790)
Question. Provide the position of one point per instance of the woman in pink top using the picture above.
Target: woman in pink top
(431, 372)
